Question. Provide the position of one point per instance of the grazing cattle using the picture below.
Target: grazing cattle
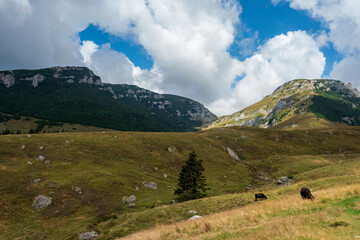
(306, 194)
(260, 195)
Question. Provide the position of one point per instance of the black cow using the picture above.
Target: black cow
(260, 195)
(306, 194)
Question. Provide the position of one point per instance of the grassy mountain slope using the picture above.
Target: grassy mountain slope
(333, 214)
(17, 125)
(75, 95)
(301, 104)
(108, 166)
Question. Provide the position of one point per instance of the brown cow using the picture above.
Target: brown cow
(306, 194)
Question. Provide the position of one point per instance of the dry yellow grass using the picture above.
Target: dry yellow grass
(287, 218)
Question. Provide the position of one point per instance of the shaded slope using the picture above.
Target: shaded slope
(76, 95)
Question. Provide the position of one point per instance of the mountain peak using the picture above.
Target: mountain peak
(301, 103)
(326, 85)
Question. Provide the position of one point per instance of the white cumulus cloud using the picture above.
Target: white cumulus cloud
(280, 59)
(342, 19)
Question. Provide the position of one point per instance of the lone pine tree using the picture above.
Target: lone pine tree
(192, 182)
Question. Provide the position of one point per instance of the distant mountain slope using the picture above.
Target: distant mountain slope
(77, 95)
(301, 103)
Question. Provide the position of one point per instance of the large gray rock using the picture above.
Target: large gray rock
(130, 199)
(284, 181)
(41, 202)
(88, 235)
(233, 154)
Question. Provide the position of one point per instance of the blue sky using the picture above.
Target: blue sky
(226, 54)
(134, 51)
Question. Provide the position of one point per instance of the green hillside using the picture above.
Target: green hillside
(107, 166)
(301, 104)
(75, 95)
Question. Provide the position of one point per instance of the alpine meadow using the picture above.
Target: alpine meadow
(164, 120)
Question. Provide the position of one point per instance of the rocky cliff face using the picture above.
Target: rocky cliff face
(170, 104)
(34, 77)
(289, 105)
(171, 110)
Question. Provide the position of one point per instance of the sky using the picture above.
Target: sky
(226, 54)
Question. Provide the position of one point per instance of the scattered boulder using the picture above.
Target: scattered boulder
(151, 185)
(132, 205)
(192, 212)
(172, 149)
(29, 136)
(285, 181)
(22, 147)
(41, 147)
(88, 235)
(37, 180)
(137, 188)
(76, 189)
(195, 217)
(29, 163)
(173, 201)
(41, 202)
(165, 175)
(232, 154)
(130, 199)
(67, 141)
(40, 158)
(47, 162)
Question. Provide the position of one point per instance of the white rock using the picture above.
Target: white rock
(172, 149)
(151, 185)
(195, 217)
(130, 199)
(37, 180)
(40, 158)
(88, 235)
(76, 189)
(41, 147)
(22, 147)
(8, 80)
(30, 163)
(192, 212)
(232, 154)
(165, 175)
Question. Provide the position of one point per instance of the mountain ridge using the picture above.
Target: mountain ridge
(75, 94)
(304, 103)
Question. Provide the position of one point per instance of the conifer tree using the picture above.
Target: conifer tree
(192, 182)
